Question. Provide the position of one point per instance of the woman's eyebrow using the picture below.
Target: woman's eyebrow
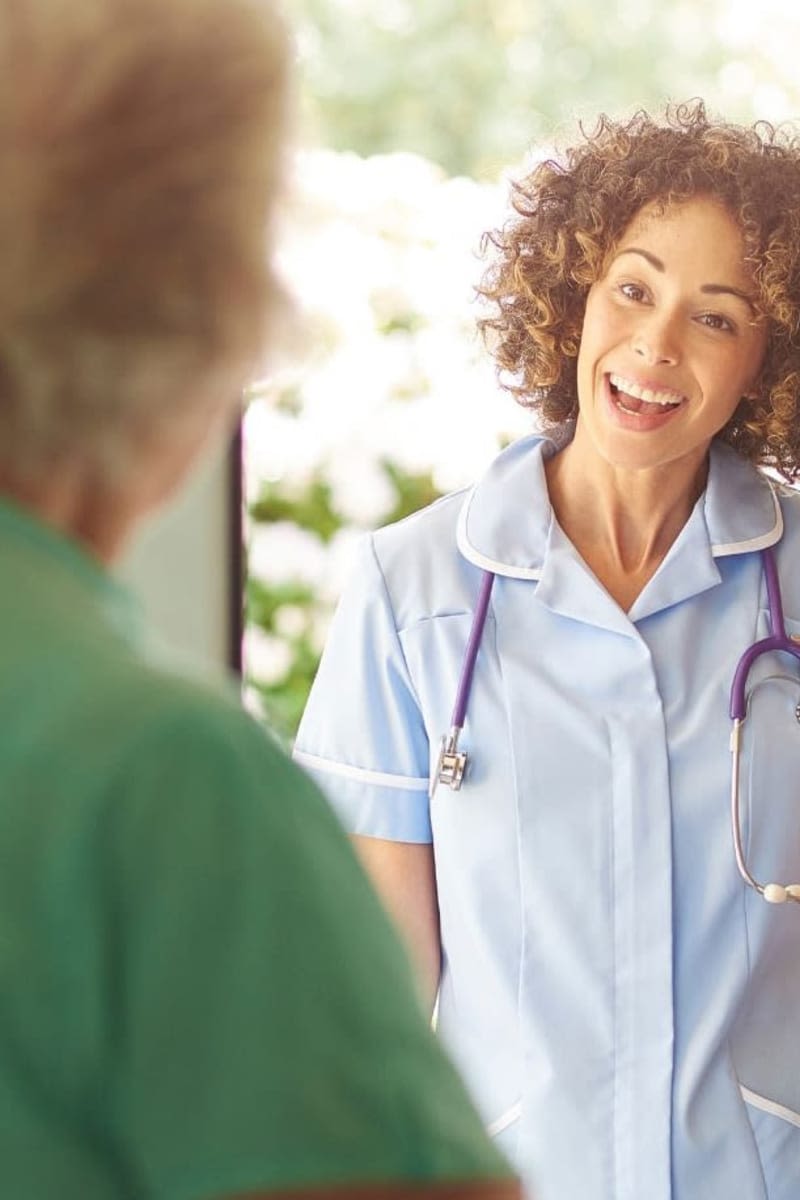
(651, 258)
(723, 289)
(710, 289)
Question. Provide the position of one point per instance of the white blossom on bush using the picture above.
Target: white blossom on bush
(268, 657)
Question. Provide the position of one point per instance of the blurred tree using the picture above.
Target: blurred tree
(471, 84)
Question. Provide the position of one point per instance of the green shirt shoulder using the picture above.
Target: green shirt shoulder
(198, 976)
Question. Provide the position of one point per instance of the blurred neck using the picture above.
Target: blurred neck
(100, 521)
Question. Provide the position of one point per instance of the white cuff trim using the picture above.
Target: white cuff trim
(406, 783)
(770, 1106)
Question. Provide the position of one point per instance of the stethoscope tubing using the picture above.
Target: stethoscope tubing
(778, 639)
(779, 642)
(471, 651)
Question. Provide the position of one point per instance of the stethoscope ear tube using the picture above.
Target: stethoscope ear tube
(451, 764)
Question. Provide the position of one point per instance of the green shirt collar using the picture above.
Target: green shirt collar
(69, 565)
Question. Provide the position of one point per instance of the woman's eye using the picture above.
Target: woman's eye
(717, 321)
(632, 291)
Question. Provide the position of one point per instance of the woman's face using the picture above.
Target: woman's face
(671, 340)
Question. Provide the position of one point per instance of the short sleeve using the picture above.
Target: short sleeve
(362, 736)
(264, 1035)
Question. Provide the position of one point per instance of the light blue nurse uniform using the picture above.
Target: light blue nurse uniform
(623, 1009)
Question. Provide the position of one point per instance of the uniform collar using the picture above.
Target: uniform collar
(506, 524)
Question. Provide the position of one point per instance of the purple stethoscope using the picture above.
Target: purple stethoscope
(451, 765)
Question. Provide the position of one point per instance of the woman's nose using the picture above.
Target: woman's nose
(655, 341)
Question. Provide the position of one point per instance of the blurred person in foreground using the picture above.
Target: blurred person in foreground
(199, 996)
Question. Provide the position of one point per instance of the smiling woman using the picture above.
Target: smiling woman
(570, 218)
(605, 978)
(671, 343)
(659, 374)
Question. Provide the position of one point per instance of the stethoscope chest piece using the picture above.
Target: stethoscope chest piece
(451, 764)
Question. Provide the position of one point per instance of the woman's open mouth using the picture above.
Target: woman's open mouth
(637, 401)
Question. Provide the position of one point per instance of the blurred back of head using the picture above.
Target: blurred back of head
(140, 157)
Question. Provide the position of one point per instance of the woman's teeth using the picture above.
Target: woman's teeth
(632, 398)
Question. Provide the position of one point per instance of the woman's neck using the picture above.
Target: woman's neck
(622, 522)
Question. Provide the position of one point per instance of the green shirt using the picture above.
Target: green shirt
(199, 994)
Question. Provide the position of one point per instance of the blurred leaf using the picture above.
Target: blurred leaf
(264, 600)
(401, 322)
(284, 701)
(312, 509)
(413, 491)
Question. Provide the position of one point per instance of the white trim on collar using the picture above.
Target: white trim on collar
(481, 560)
(757, 543)
(727, 467)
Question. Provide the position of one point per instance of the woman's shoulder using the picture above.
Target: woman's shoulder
(427, 561)
(429, 530)
(418, 563)
(503, 494)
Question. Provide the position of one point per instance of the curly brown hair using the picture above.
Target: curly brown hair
(568, 217)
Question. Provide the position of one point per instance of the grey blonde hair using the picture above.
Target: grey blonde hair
(140, 158)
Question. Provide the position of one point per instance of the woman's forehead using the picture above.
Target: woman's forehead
(700, 230)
